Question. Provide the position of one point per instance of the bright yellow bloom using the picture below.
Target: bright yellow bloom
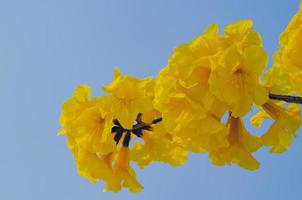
(241, 146)
(93, 166)
(88, 129)
(242, 35)
(123, 174)
(205, 78)
(87, 122)
(132, 101)
(290, 41)
(74, 106)
(258, 118)
(129, 96)
(86, 153)
(201, 135)
(158, 145)
(286, 70)
(93, 129)
(99, 131)
(146, 120)
(190, 111)
(287, 122)
(276, 80)
(284, 77)
(186, 76)
(235, 78)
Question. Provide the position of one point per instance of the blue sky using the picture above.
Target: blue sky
(49, 47)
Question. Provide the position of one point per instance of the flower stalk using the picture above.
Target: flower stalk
(286, 98)
(137, 129)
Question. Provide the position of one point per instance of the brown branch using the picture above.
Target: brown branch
(148, 126)
(286, 98)
(145, 125)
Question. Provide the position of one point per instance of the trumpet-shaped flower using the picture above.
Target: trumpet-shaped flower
(287, 121)
(242, 35)
(123, 174)
(158, 145)
(241, 146)
(93, 166)
(205, 78)
(93, 129)
(235, 78)
(290, 41)
(74, 106)
(287, 60)
(129, 96)
(88, 122)
(146, 120)
(276, 80)
(185, 78)
(183, 96)
(100, 129)
(138, 107)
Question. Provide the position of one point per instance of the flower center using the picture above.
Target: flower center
(137, 129)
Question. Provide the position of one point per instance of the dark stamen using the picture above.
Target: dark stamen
(137, 129)
(127, 139)
(155, 121)
(118, 135)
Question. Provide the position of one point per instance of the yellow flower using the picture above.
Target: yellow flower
(202, 135)
(132, 108)
(286, 69)
(123, 174)
(146, 120)
(100, 129)
(290, 41)
(276, 80)
(241, 34)
(187, 73)
(235, 78)
(287, 122)
(90, 165)
(205, 78)
(74, 106)
(129, 96)
(183, 97)
(158, 145)
(296, 81)
(87, 123)
(258, 118)
(241, 146)
(93, 166)
(93, 129)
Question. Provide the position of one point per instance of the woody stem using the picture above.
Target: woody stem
(286, 98)
(144, 125)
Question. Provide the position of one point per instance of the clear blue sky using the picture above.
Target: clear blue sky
(49, 47)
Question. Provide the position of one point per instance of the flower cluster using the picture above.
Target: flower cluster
(196, 103)
(285, 75)
(208, 77)
(99, 131)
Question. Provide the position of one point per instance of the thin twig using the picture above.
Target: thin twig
(286, 98)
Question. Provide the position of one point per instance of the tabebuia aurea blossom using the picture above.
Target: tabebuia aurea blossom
(285, 75)
(100, 129)
(196, 103)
